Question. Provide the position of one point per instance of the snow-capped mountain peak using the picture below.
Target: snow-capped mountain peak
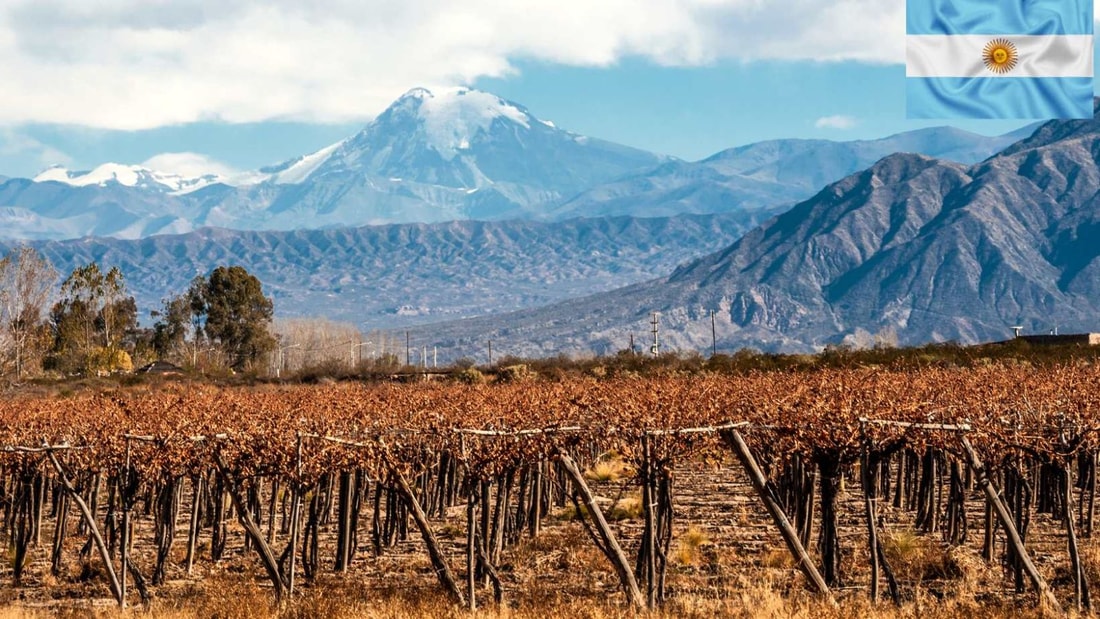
(451, 121)
(127, 176)
(452, 118)
(297, 170)
(432, 155)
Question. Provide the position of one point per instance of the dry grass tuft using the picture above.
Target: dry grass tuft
(916, 559)
(626, 508)
(609, 469)
(1090, 557)
(777, 558)
(690, 546)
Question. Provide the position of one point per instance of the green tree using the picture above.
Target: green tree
(93, 320)
(234, 314)
(26, 282)
(174, 323)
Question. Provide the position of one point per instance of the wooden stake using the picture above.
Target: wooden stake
(439, 561)
(991, 494)
(1080, 581)
(193, 525)
(244, 516)
(790, 536)
(471, 548)
(295, 516)
(116, 588)
(615, 552)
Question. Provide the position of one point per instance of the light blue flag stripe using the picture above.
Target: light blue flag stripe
(999, 97)
(998, 17)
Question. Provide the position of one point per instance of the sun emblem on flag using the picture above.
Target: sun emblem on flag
(999, 55)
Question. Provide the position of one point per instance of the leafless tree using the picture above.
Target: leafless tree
(316, 342)
(26, 282)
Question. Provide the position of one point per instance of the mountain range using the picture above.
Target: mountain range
(915, 248)
(455, 154)
(398, 275)
(562, 242)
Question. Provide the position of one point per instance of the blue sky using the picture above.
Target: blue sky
(247, 83)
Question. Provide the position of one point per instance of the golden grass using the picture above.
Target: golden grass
(690, 546)
(750, 599)
(609, 469)
(626, 508)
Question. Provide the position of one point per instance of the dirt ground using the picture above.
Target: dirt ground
(726, 559)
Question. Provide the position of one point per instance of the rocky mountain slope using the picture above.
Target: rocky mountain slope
(405, 274)
(770, 173)
(449, 155)
(925, 249)
(429, 157)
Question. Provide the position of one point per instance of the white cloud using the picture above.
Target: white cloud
(188, 165)
(838, 121)
(17, 147)
(134, 64)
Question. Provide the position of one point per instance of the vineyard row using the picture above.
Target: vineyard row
(285, 462)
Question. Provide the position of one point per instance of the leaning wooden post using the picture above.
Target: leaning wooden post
(295, 516)
(616, 554)
(244, 517)
(991, 495)
(1081, 596)
(90, 521)
(790, 536)
(471, 548)
(124, 541)
(439, 561)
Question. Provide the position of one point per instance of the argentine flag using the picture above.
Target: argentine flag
(999, 58)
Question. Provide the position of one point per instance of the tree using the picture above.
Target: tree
(26, 281)
(234, 314)
(174, 321)
(92, 321)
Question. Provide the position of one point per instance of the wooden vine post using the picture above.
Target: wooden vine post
(439, 561)
(649, 540)
(760, 483)
(611, 546)
(244, 516)
(1081, 595)
(1005, 518)
(89, 520)
(295, 516)
(124, 541)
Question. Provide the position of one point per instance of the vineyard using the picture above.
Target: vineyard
(151, 483)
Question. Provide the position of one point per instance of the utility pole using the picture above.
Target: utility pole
(713, 336)
(490, 353)
(656, 347)
(435, 356)
(408, 351)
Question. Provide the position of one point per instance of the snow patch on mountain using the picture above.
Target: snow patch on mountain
(452, 118)
(108, 172)
(138, 176)
(298, 170)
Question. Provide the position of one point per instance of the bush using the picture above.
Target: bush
(470, 376)
(515, 373)
(109, 361)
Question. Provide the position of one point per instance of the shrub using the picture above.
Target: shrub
(109, 361)
(470, 376)
(515, 373)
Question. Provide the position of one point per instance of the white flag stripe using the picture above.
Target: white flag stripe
(960, 55)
